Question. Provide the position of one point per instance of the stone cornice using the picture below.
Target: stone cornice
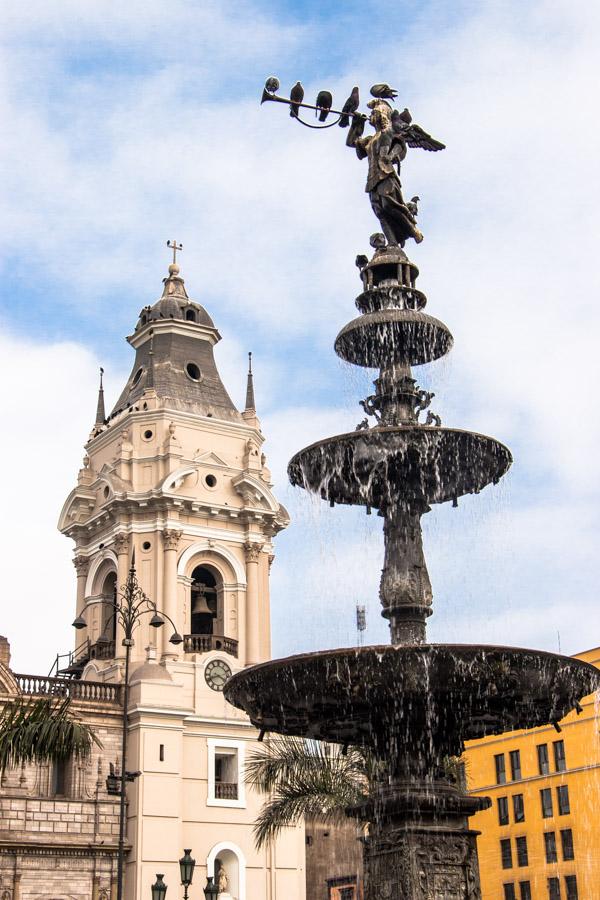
(85, 849)
(154, 504)
(201, 423)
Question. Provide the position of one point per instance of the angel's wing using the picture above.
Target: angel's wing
(415, 136)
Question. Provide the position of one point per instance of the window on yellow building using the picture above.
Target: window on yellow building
(543, 761)
(566, 839)
(500, 764)
(550, 847)
(571, 887)
(562, 796)
(506, 853)
(518, 808)
(554, 889)
(509, 891)
(522, 855)
(503, 810)
(560, 762)
(515, 765)
(525, 889)
(546, 798)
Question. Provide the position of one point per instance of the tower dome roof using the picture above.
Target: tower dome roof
(174, 340)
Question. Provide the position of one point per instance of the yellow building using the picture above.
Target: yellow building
(540, 839)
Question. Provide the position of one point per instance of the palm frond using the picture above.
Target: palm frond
(42, 730)
(306, 779)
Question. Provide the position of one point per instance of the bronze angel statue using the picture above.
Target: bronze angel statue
(385, 150)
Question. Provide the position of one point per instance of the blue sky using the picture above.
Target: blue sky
(126, 126)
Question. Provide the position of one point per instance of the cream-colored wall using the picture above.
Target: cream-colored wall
(132, 490)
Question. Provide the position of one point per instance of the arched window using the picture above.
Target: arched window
(204, 600)
(190, 315)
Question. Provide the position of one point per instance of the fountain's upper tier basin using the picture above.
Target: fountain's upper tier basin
(393, 336)
(383, 466)
(430, 695)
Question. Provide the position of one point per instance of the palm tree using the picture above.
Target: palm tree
(43, 730)
(314, 780)
(307, 779)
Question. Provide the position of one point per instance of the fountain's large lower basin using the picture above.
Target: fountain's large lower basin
(380, 466)
(429, 697)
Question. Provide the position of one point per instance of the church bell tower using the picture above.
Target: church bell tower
(174, 477)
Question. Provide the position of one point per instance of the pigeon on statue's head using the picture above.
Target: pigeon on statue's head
(383, 92)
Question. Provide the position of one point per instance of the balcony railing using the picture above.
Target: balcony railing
(225, 790)
(204, 643)
(102, 650)
(40, 685)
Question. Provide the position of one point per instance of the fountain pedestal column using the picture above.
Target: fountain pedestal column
(420, 846)
(405, 589)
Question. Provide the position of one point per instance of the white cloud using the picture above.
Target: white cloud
(49, 403)
(271, 215)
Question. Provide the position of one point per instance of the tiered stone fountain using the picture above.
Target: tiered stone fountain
(412, 703)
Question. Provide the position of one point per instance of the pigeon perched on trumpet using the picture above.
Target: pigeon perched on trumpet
(324, 104)
(349, 107)
(296, 96)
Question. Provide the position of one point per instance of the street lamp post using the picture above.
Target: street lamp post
(186, 868)
(131, 606)
(211, 891)
(159, 888)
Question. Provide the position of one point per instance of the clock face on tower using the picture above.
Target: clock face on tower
(216, 673)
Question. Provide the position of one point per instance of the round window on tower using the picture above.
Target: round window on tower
(146, 546)
(148, 434)
(137, 377)
(193, 371)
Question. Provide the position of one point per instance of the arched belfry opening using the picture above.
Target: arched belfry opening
(108, 624)
(205, 601)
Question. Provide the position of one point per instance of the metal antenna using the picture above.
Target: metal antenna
(361, 623)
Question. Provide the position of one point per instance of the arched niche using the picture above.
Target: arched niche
(233, 860)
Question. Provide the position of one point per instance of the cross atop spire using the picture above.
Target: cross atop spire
(176, 248)
(250, 403)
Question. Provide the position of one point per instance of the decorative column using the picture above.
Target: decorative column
(122, 551)
(82, 567)
(171, 538)
(253, 551)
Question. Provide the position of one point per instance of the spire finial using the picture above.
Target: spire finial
(100, 411)
(250, 404)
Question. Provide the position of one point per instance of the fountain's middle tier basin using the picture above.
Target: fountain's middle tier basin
(427, 697)
(383, 466)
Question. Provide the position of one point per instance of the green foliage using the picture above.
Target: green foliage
(43, 730)
(307, 779)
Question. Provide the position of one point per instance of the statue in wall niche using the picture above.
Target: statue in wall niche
(222, 880)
